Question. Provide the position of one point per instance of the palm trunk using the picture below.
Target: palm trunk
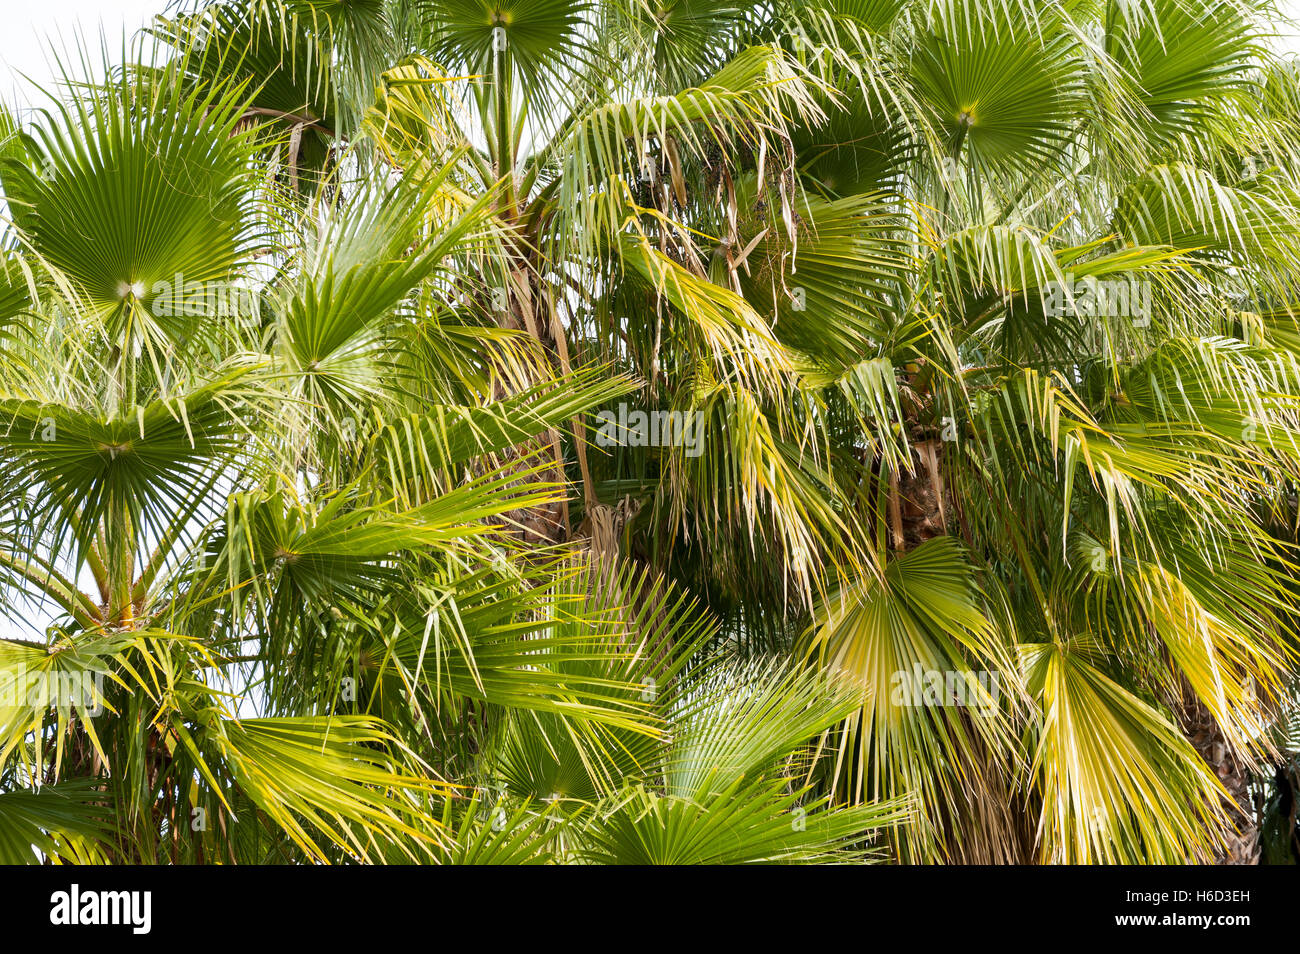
(547, 524)
(921, 506)
(1207, 738)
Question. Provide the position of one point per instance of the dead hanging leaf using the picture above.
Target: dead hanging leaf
(787, 216)
(675, 171)
(732, 210)
(295, 146)
(743, 260)
(895, 511)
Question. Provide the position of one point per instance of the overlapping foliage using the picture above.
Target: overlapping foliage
(307, 313)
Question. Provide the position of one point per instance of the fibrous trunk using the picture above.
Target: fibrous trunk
(1207, 738)
(921, 506)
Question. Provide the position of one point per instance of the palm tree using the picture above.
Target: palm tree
(971, 540)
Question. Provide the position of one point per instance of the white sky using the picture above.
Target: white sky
(27, 22)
